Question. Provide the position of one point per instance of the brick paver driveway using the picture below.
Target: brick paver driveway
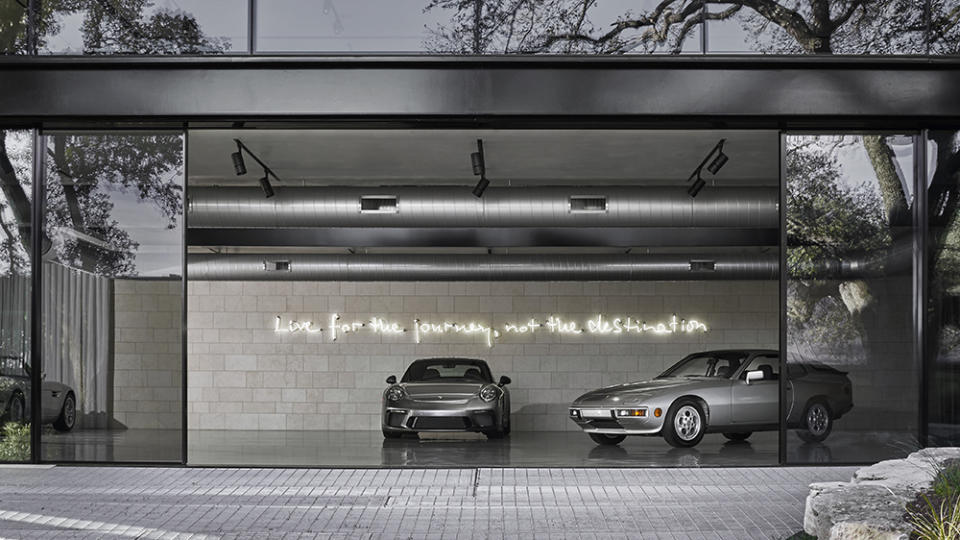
(105, 502)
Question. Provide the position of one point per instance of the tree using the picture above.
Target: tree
(786, 26)
(83, 169)
(109, 27)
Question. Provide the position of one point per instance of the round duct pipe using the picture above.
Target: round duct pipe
(298, 267)
(453, 206)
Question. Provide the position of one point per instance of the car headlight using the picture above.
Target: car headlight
(395, 393)
(489, 392)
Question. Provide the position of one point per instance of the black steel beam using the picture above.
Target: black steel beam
(485, 237)
(303, 88)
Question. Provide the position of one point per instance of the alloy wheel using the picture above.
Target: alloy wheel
(687, 423)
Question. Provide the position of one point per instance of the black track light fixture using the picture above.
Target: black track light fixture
(241, 168)
(238, 165)
(694, 189)
(719, 159)
(479, 169)
(266, 187)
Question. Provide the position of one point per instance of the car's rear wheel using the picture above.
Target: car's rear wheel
(740, 436)
(68, 415)
(685, 424)
(607, 440)
(817, 423)
(16, 410)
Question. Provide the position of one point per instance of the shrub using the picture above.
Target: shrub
(15, 445)
(936, 522)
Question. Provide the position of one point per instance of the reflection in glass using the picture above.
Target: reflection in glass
(457, 27)
(849, 295)
(887, 27)
(13, 27)
(944, 27)
(112, 295)
(943, 306)
(16, 181)
(159, 27)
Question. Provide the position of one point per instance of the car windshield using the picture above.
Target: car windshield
(721, 365)
(448, 371)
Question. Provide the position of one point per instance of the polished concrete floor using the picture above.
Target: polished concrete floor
(521, 449)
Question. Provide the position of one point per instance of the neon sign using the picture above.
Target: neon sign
(599, 325)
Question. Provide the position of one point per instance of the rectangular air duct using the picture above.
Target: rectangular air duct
(580, 204)
(378, 204)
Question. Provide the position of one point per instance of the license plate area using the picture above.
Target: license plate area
(596, 413)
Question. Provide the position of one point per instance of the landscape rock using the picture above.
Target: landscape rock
(872, 504)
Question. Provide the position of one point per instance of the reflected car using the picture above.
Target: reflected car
(446, 394)
(59, 401)
(733, 392)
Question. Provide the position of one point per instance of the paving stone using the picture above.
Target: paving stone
(207, 503)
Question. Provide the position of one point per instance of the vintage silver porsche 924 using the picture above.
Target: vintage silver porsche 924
(734, 392)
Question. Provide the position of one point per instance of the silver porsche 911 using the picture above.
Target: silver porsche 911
(446, 394)
(734, 392)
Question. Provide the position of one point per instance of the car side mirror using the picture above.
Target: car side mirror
(392, 379)
(754, 376)
(504, 380)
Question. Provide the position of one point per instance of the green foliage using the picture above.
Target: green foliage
(15, 444)
(947, 483)
(936, 521)
(827, 219)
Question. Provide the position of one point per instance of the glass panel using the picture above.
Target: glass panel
(16, 181)
(293, 342)
(13, 27)
(888, 27)
(943, 306)
(451, 27)
(854, 392)
(158, 27)
(112, 297)
(944, 26)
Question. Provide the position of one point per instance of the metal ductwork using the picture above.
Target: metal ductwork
(455, 206)
(298, 267)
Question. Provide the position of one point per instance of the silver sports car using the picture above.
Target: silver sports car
(59, 402)
(446, 394)
(734, 392)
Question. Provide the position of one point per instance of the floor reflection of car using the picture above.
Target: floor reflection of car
(446, 394)
(734, 392)
(59, 402)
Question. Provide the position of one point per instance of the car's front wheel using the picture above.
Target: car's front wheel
(16, 410)
(685, 424)
(817, 423)
(68, 415)
(607, 440)
(740, 436)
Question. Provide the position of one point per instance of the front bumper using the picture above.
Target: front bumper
(607, 421)
(408, 416)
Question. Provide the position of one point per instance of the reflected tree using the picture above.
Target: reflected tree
(109, 27)
(785, 26)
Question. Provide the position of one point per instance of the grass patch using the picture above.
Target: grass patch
(15, 444)
(935, 514)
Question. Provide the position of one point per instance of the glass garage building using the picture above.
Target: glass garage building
(226, 224)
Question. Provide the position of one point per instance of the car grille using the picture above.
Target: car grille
(605, 424)
(439, 422)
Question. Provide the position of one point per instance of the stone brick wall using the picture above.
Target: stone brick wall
(243, 374)
(147, 353)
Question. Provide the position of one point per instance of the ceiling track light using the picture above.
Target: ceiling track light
(716, 159)
(241, 168)
(479, 169)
